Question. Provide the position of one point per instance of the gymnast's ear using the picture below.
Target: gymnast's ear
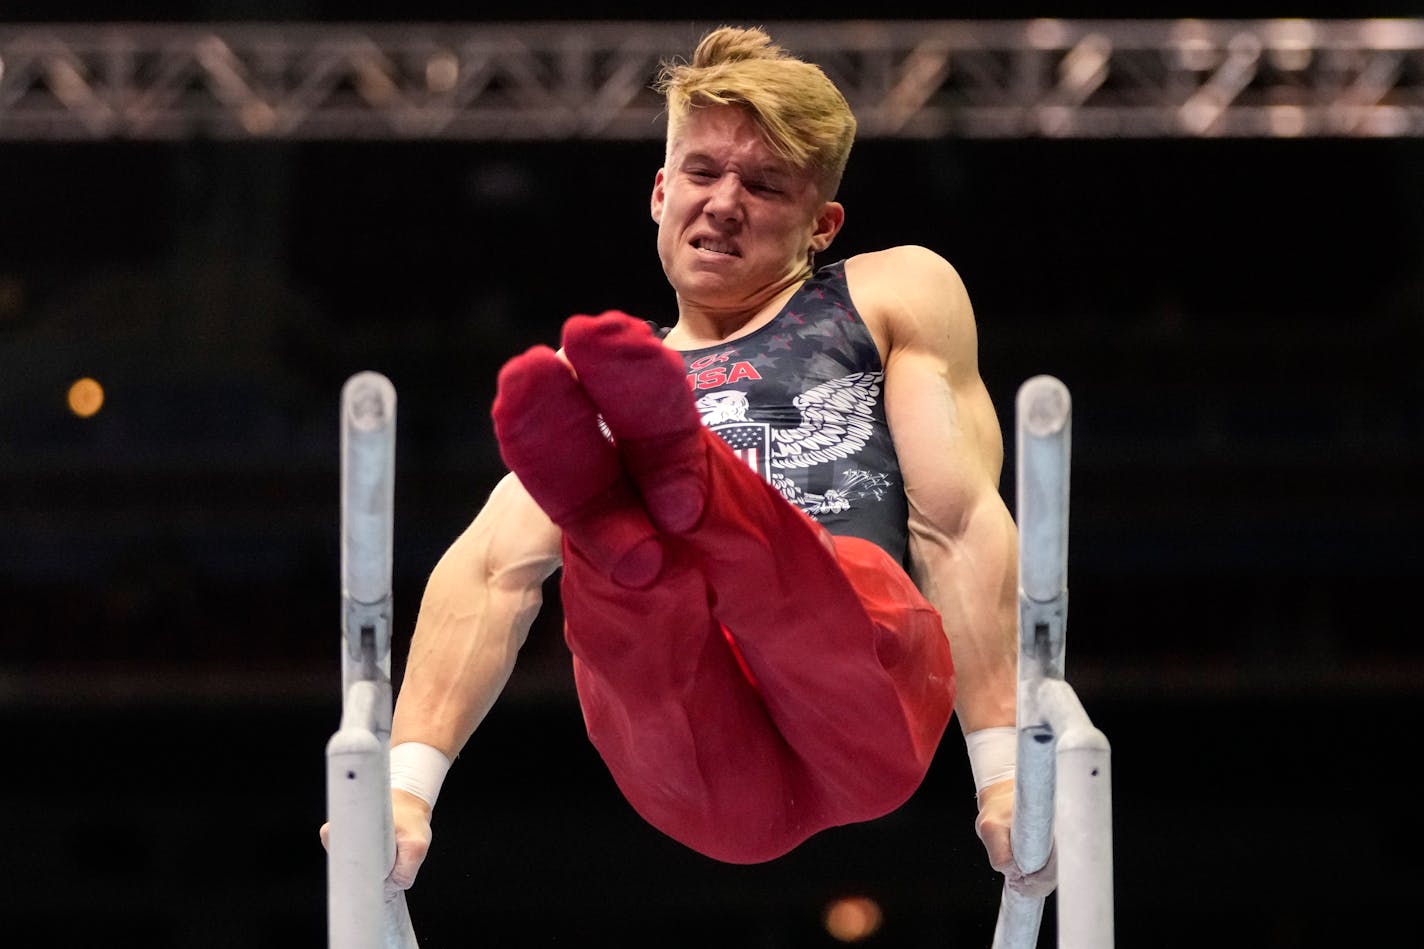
(826, 225)
(658, 196)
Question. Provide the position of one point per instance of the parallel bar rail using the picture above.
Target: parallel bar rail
(1062, 794)
(361, 848)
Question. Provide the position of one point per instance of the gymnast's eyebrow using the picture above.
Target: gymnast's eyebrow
(776, 172)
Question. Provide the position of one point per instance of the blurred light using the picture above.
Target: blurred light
(1286, 121)
(1245, 48)
(1055, 120)
(257, 117)
(1086, 63)
(1197, 114)
(1195, 50)
(853, 918)
(66, 80)
(373, 82)
(1386, 121)
(86, 397)
(1388, 33)
(1047, 33)
(442, 71)
(1291, 44)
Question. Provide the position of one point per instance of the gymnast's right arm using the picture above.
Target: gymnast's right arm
(478, 605)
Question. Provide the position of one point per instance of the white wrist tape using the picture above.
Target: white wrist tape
(418, 769)
(992, 752)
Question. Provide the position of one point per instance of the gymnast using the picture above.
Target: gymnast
(785, 559)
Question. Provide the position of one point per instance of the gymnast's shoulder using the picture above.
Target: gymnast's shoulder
(909, 289)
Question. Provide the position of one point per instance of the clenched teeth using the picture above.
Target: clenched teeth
(716, 247)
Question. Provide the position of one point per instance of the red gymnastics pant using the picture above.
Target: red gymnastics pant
(773, 682)
(748, 679)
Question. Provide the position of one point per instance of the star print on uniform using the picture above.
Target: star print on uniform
(801, 401)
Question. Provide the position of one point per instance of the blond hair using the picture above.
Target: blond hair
(803, 117)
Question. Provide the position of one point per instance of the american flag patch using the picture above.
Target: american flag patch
(749, 441)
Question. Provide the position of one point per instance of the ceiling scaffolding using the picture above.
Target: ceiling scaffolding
(590, 80)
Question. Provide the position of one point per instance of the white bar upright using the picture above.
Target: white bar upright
(361, 847)
(1063, 786)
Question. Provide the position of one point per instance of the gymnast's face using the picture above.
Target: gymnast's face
(736, 224)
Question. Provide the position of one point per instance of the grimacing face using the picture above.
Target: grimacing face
(736, 224)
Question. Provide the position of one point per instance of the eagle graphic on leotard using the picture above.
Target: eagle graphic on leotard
(837, 419)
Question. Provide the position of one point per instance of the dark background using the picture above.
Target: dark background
(1239, 323)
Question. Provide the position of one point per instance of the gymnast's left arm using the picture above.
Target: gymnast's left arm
(963, 544)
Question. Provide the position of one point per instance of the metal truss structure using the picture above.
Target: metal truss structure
(590, 80)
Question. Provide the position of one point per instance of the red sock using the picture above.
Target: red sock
(549, 437)
(640, 387)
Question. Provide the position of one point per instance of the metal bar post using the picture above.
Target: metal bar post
(1043, 414)
(362, 840)
(1083, 819)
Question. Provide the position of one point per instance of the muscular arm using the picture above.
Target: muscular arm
(963, 542)
(474, 616)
